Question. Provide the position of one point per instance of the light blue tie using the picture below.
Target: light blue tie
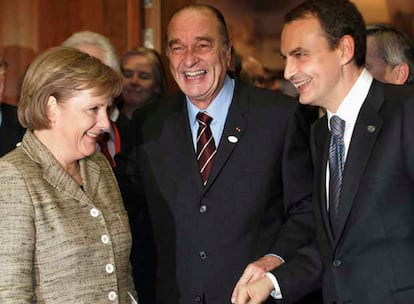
(336, 166)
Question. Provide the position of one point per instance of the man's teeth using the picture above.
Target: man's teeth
(195, 73)
(92, 134)
(302, 83)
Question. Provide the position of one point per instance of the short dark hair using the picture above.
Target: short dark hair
(225, 37)
(337, 19)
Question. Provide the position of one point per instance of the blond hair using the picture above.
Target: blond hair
(62, 72)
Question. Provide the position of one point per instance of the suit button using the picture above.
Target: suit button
(197, 299)
(336, 263)
(203, 209)
(203, 255)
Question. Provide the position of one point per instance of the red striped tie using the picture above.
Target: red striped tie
(206, 148)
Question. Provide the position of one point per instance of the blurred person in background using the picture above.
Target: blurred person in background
(11, 132)
(144, 81)
(255, 71)
(390, 55)
(64, 231)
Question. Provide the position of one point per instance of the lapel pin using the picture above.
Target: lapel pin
(238, 129)
(371, 128)
(233, 139)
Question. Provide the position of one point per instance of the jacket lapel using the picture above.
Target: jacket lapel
(234, 128)
(183, 143)
(54, 174)
(367, 128)
(321, 136)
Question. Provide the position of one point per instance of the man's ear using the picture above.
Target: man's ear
(400, 73)
(347, 47)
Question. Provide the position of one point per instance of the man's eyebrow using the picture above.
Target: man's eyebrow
(204, 38)
(173, 41)
(197, 39)
(295, 50)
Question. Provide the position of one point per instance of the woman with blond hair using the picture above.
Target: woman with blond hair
(64, 232)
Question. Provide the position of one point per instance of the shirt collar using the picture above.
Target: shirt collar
(218, 106)
(349, 108)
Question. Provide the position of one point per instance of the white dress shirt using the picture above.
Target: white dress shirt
(348, 111)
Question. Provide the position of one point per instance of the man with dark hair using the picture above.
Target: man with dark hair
(224, 169)
(363, 155)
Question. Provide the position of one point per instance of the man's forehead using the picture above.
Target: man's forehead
(180, 32)
(188, 19)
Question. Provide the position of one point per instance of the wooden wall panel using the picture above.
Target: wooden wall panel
(19, 42)
(28, 27)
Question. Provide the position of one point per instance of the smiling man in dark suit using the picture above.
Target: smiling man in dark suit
(11, 132)
(363, 152)
(227, 210)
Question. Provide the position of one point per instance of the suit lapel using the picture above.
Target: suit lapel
(234, 128)
(183, 143)
(366, 130)
(321, 134)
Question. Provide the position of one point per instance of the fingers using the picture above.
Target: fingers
(250, 274)
(242, 296)
(254, 292)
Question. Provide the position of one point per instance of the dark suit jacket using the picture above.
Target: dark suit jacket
(257, 200)
(11, 132)
(372, 259)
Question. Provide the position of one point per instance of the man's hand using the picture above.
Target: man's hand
(256, 270)
(255, 292)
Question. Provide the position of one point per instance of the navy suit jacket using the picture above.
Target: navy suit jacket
(371, 259)
(257, 200)
(11, 132)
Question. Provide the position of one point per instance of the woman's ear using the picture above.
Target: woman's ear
(52, 109)
(400, 73)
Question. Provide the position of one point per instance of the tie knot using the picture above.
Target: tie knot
(204, 118)
(337, 126)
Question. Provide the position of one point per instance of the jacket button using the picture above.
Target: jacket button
(336, 263)
(104, 239)
(109, 268)
(112, 296)
(203, 209)
(197, 299)
(94, 212)
(203, 255)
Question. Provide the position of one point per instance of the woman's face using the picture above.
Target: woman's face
(77, 122)
(138, 80)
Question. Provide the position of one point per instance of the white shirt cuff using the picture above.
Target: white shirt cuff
(276, 293)
(275, 255)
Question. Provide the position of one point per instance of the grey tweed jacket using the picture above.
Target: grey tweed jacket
(59, 243)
